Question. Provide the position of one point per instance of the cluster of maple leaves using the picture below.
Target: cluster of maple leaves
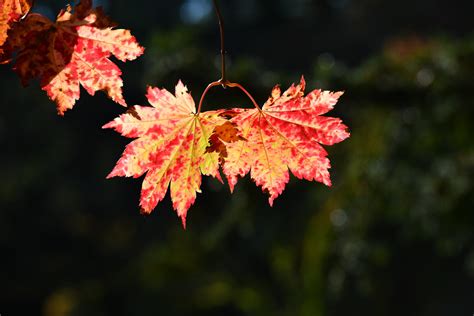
(174, 145)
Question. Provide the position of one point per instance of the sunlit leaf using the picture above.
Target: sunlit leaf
(286, 134)
(170, 147)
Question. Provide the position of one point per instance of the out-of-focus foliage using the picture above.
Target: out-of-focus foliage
(393, 236)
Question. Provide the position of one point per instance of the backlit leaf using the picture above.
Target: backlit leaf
(286, 134)
(170, 147)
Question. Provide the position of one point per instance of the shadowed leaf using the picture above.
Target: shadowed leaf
(11, 11)
(71, 52)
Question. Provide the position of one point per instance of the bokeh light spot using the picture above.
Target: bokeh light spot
(194, 11)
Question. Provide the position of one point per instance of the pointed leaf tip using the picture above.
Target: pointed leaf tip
(183, 221)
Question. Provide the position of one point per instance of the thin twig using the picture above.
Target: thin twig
(223, 80)
(222, 33)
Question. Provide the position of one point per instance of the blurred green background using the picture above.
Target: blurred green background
(393, 236)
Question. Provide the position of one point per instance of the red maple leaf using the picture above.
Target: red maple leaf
(72, 51)
(170, 148)
(285, 134)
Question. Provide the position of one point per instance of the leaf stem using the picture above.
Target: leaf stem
(209, 86)
(222, 34)
(230, 85)
(237, 85)
(29, 11)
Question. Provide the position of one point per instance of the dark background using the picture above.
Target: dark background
(393, 236)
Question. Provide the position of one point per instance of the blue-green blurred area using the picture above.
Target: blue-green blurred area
(393, 236)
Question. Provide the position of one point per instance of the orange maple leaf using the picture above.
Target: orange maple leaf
(72, 51)
(285, 134)
(170, 148)
(11, 11)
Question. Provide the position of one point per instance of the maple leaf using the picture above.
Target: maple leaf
(72, 51)
(285, 134)
(170, 148)
(223, 134)
(11, 11)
